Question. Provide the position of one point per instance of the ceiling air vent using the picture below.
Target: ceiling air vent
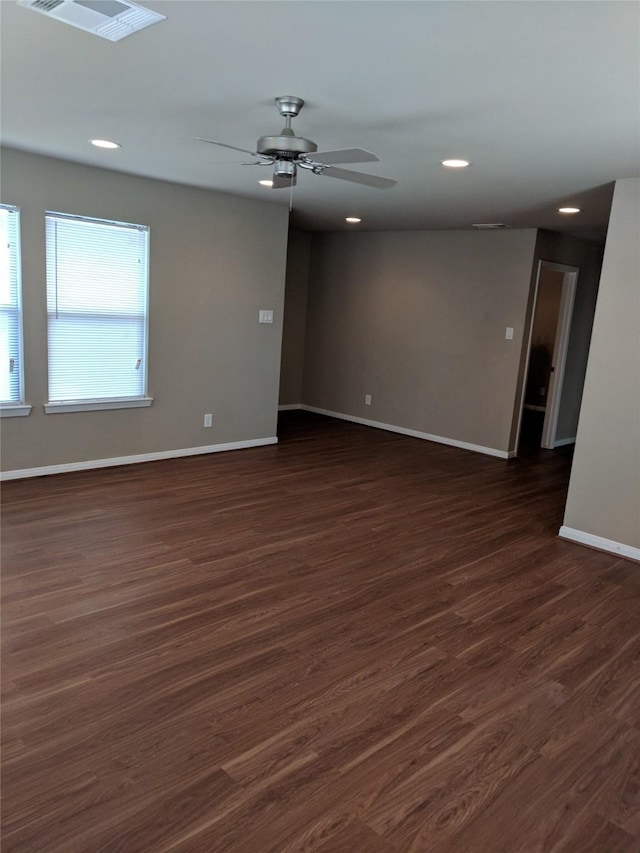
(490, 226)
(46, 5)
(109, 19)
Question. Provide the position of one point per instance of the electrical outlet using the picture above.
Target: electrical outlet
(367, 399)
(208, 420)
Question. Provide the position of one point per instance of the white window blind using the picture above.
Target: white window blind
(11, 374)
(97, 296)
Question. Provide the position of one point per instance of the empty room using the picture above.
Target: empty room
(320, 500)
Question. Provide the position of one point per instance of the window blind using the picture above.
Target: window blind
(11, 373)
(97, 296)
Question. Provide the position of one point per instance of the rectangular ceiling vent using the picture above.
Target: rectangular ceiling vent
(109, 19)
(490, 226)
(46, 5)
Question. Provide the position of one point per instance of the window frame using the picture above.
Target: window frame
(17, 408)
(117, 401)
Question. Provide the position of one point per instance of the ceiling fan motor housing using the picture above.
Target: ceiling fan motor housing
(285, 146)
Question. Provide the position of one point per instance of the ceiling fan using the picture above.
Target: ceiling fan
(287, 152)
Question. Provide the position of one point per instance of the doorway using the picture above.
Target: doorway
(547, 353)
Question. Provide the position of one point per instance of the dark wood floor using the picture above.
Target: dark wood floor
(351, 641)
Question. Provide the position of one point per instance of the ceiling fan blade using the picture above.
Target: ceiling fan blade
(234, 148)
(345, 155)
(283, 182)
(359, 178)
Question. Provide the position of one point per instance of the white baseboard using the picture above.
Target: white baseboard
(439, 439)
(290, 407)
(600, 543)
(561, 442)
(133, 460)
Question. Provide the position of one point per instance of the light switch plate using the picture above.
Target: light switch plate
(265, 316)
(509, 333)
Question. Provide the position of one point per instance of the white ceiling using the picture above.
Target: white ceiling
(542, 97)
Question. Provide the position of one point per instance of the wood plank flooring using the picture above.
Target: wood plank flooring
(351, 641)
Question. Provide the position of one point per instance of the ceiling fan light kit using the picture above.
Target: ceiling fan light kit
(286, 151)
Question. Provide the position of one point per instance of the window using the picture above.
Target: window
(11, 372)
(97, 287)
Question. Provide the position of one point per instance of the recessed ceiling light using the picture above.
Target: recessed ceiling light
(266, 183)
(568, 210)
(352, 219)
(105, 143)
(455, 164)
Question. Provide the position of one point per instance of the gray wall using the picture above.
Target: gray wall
(604, 491)
(417, 320)
(295, 318)
(587, 255)
(215, 261)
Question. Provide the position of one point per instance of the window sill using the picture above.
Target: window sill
(97, 405)
(8, 410)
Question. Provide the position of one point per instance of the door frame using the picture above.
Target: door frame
(561, 345)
